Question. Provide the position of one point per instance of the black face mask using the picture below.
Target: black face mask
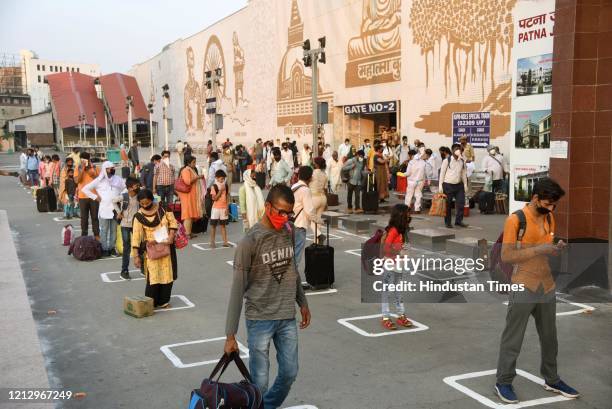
(543, 210)
(111, 173)
(149, 207)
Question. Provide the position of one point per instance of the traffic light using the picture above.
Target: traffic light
(322, 58)
(322, 42)
(306, 45)
(307, 57)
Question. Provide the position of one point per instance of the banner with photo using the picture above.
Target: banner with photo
(525, 177)
(532, 129)
(534, 75)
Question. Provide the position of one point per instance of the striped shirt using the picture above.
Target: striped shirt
(164, 175)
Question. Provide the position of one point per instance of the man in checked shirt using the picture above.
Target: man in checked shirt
(163, 180)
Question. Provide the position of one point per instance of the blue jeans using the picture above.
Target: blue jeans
(34, 177)
(300, 243)
(126, 237)
(166, 194)
(284, 335)
(108, 233)
(394, 277)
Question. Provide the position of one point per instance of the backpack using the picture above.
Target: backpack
(498, 269)
(67, 235)
(86, 248)
(372, 249)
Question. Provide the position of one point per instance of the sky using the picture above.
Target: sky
(115, 34)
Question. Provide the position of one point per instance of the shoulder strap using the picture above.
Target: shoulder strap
(522, 225)
(297, 188)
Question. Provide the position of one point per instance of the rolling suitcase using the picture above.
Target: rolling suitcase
(261, 180)
(369, 199)
(233, 212)
(486, 202)
(45, 200)
(319, 269)
(332, 198)
(199, 226)
(125, 172)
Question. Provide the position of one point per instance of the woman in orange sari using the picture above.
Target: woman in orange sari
(191, 203)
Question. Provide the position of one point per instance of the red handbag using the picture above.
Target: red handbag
(180, 186)
(155, 251)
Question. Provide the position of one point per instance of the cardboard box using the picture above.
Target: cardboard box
(138, 306)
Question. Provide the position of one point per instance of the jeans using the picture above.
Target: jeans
(69, 211)
(456, 191)
(126, 237)
(300, 243)
(349, 196)
(108, 233)
(166, 194)
(284, 335)
(89, 208)
(33, 177)
(395, 278)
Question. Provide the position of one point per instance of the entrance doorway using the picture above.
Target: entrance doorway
(378, 120)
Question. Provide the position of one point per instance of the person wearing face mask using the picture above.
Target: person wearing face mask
(453, 182)
(251, 200)
(86, 173)
(492, 164)
(128, 207)
(163, 180)
(403, 150)
(266, 277)
(107, 187)
(304, 209)
(415, 180)
(357, 172)
(467, 149)
(160, 272)
(528, 240)
(280, 171)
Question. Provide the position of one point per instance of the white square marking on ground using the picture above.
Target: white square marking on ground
(331, 237)
(452, 381)
(107, 279)
(416, 326)
(356, 252)
(177, 362)
(60, 219)
(188, 304)
(302, 407)
(351, 234)
(206, 246)
(319, 292)
(230, 262)
(582, 307)
(109, 258)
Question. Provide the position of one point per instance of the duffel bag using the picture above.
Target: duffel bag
(86, 248)
(214, 394)
(438, 205)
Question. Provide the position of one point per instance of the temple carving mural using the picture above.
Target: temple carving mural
(294, 86)
(192, 97)
(375, 55)
(468, 57)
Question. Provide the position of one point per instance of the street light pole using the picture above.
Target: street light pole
(129, 112)
(213, 80)
(166, 96)
(151, 126)
(311, 58)
(95, 130)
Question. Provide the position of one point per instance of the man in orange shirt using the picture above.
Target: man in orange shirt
(529, 255)
(85, 174)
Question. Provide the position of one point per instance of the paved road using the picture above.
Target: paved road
(91, 346)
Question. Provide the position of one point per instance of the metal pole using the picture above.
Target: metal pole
(315, 57)
(95, 131)
(84, 131)
(166, 122)
(130, 135)
(106, 130)
(151, 131)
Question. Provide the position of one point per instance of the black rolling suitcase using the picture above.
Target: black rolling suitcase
(199, 226)
(369, 199)
(46, 200)
(486, 202)
(319, 269)
(125, 172)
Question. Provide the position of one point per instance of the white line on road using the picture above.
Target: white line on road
(177, 362)
(106, 276)
(416, 326)
(188, 304)
(206, 246)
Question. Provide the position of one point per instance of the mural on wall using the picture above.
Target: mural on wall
(467, 57)
(240, 107)
(374, 56)
(192, 96)
(294, 86)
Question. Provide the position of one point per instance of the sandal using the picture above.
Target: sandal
(166, 305)
(227, 245)
(403, 321)
(388, 324)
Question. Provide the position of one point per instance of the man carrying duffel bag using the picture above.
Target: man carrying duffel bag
(266, 276)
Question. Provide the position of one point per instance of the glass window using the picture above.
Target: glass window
(39, 78)
(43, 67)
(37, 67)
(78, 69)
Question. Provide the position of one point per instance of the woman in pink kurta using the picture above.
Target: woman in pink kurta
(191, 203)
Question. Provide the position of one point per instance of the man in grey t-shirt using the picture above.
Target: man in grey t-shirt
(266, 276)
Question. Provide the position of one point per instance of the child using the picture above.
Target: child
(69, 194)
(46, 172)
(128, 207)
(394, 242)
(55, 173)
(219, 214)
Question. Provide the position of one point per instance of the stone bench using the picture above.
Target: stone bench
(332, 217)
(430, 239)
(355, 224)
(466, 247)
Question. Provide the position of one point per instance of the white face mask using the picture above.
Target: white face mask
(458, 152)
(492, 152)
(421, 150)
(166, 161)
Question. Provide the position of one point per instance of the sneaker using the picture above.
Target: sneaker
(461, 224)
(562, 388)
(388, 324)
(505, 391)
(125, 275)
(402, 321)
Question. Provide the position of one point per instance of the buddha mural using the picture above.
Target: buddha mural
(374, 55)
(238, 69)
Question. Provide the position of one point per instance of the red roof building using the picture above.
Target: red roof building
(116, 88)
(74, 94)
